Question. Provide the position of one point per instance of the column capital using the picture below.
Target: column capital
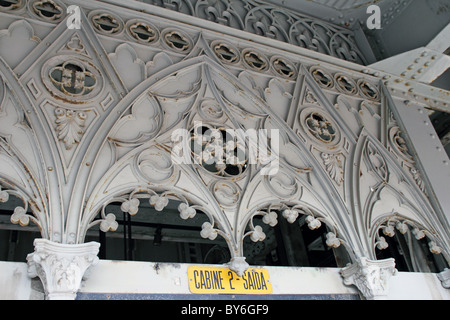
(61, 267)
(371, 277)
(444, 277)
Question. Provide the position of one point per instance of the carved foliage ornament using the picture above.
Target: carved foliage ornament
(370, 277)
(334, 166)
(70, 126)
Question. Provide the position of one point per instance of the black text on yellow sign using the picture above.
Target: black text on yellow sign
(207, 280)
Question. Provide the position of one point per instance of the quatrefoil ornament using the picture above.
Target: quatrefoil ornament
(72, 79)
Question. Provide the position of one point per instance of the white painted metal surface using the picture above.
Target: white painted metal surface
(424, 64)
(87, 118)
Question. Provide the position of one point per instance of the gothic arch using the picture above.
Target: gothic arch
(229, 200)
(139, 126)
(22, 154)
(396, 185)
(109, 113)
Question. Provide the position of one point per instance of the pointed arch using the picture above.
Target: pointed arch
(129, 141)
(229, 201)
(392, 194)
(26, 154)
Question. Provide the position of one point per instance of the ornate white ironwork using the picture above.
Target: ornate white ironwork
(87, 116)
(61, 267)
(370, 277)
(273, 22)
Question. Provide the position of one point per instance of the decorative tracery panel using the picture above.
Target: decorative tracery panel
(124, 111)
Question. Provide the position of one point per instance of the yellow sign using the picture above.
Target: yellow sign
(207, 280)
